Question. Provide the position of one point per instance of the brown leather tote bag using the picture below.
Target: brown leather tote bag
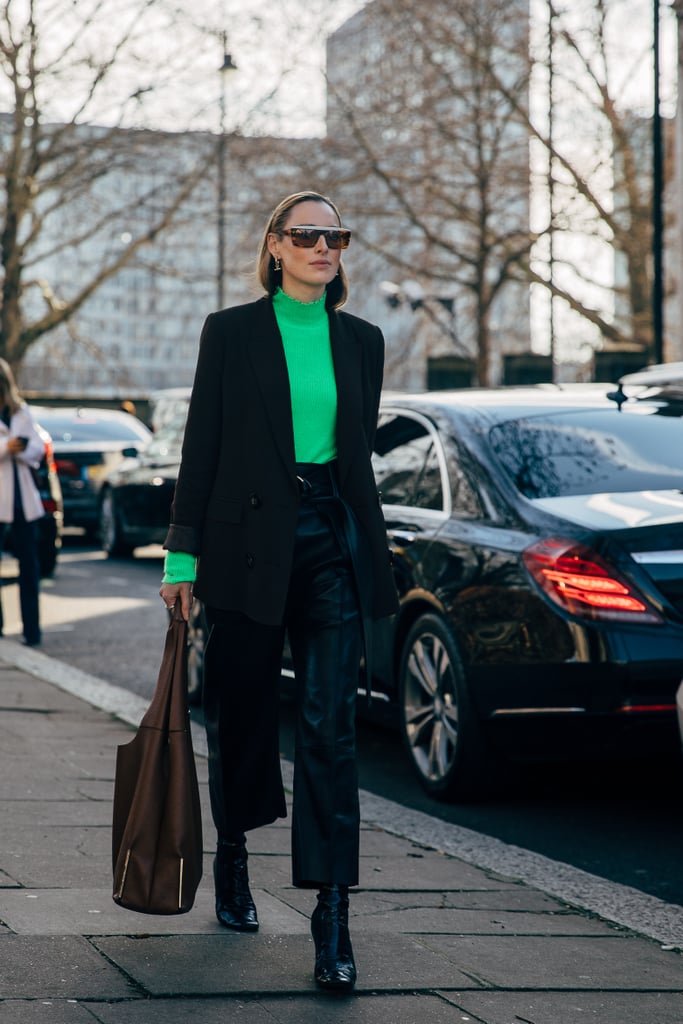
(157, 826)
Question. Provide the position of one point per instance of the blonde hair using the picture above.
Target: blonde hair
(8, 387)
(269, 278)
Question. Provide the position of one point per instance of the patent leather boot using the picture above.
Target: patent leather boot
(235, 907)
(335, 968)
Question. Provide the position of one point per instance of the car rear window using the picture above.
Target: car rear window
(87, 427)
(592, 451)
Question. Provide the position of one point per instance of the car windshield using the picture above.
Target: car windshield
(87, 426)
(593, 451)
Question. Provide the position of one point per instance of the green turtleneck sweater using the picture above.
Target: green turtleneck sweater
(305, 331)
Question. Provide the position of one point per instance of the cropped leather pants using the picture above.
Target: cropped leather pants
(241, 697)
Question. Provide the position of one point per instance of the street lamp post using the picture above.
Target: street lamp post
(657, 202)
(226, 66)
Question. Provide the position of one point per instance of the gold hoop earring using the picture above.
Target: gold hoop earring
(278, 265)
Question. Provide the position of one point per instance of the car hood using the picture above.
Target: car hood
(617, 510)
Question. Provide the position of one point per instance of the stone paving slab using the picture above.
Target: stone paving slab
(57, 967)
(233, 964)
(315, 1009)
(273, 839)
(23, 691)
(419, 912)
(528, 901)
(47, 813)
(472, 922)
(22, 783)
(570, 1008)
(58, 857)
(44, 1011)
(556, 962)
(93, 912)
(436, 872)
(271, 872)
(91, 732)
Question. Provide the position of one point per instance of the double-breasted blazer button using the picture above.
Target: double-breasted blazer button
(250, 561)
(255, 500)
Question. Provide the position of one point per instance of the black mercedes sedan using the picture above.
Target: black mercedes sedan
(537, 537)
(537, 542)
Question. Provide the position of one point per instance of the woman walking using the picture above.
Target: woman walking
(276, 525)
(21, 450)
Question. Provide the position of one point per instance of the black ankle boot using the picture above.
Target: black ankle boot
(334, 964)
(234, 905)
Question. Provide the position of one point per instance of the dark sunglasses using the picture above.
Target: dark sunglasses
(306, 236)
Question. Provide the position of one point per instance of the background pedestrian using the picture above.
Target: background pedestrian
(21, 450)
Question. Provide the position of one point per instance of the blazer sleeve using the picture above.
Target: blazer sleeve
(376, 377)
(201, 443)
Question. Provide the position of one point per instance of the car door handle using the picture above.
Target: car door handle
(403, 536)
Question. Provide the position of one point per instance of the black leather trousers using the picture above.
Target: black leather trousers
(241, 696)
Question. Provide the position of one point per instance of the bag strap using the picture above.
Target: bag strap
(168, 709)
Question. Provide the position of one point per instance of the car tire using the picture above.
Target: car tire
(439, 724)
(197, 635)
(111, 537)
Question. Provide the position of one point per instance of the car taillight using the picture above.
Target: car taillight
(65, 467)
(582, 582)
(50, 458)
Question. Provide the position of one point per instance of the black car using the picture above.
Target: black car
(87, 442)
(135, 497)
(537, 539)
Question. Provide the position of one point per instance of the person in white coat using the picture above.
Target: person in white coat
(21, 449)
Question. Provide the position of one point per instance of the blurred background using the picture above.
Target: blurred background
(511, 170)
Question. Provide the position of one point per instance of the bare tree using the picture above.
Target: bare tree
(436, 128)
(594, 152)
(439, 151)
(67, 187)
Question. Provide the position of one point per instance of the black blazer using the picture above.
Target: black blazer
(236, 500)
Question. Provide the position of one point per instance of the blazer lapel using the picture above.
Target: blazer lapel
(267, 356)
(347, 358)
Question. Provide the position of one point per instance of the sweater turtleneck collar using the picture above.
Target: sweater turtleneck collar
(300, 312)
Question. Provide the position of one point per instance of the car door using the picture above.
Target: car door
(411, 475)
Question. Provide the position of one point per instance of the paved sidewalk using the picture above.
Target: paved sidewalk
(437, 939)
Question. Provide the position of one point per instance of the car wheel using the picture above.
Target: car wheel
(439, 724)
(197, 635)
(111, 537)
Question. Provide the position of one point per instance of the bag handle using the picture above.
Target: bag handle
(168, 710)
